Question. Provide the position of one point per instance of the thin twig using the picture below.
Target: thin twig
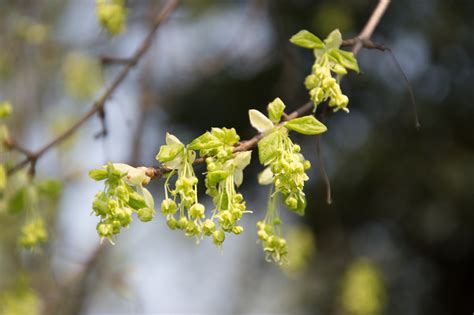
(100, 103)
(371, 24)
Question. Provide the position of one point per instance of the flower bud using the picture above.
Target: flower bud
(98, 174)
(197, 211)
(146, 214)
(237, 198)
(172, 223)
(218, 237)
(262, 235)
(306, 165)
(182, 223)
(208, 227)
(291, 202)
(168, 206)
(237, 229)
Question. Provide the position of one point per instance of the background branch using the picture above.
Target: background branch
(99, 104)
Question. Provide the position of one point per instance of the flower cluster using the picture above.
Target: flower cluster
(112, 15)
(183, 199)
(33, 233)
(225, 171)
(329, 59)
(123, 195)
(224, 174)
(286, 166)
(285, 170)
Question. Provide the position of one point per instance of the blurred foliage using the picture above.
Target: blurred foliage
(363, 291)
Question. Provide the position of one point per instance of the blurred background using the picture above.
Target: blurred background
(399, 236)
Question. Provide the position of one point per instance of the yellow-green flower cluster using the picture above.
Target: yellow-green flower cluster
(286, 166)
(33, 233)
(112, 15)
(181, 206)
(329, 60)
(224, 174)
(225, 171)
(123, 195)
(285, 170)
(273, 243)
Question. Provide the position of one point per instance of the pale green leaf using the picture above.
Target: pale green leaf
(169, 152)
(275, 110)
(346, 59)
(334, 40)
(259, 121)
(307, 40)
(268, 147)
(307, 125)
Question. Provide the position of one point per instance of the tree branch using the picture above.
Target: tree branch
(99, 104)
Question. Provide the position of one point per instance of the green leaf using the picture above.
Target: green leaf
(275, 110)
(307, 40)
(346, 59)
(217, 176)
(268, 147)
(171, 139)
(136, 201)
(100, 174)
(242, 159)
(259, 121)
(226, 136)
(204, 142)
(334, 40)
(307, 125)
(169, 152)
(18, 202)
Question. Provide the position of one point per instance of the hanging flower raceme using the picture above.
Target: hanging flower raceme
(285, 169)
(224, 174)
(181, 206)
(329, 60)
(123, 194)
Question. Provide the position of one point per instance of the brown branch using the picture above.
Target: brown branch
(371, 24)
(98, 105)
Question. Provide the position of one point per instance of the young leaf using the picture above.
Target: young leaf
(99, 174)
(259, 121)
(169, 152)
(171, 139)
(307, 40)
(334, 40)
(268, 147)
(307, 125)
(275, 110)
(205, 142)
(346, 59)
(226, 136)
(147, 196)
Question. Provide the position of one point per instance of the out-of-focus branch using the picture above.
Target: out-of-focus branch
(97, 107)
